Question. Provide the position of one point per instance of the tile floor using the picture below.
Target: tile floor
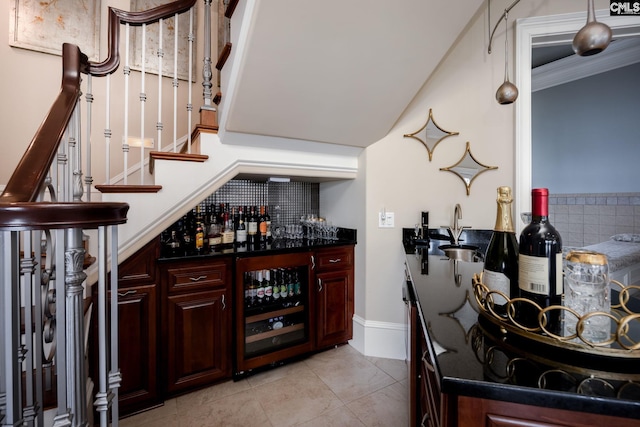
(338, 387)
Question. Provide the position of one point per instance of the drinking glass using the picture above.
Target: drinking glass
(587, 289)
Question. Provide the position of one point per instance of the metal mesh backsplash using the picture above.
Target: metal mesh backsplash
(290, 199)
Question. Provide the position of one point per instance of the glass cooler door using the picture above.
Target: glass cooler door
(273, 324)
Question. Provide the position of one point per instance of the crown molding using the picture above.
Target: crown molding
(619, 53)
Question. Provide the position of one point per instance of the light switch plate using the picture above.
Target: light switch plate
(386, 220)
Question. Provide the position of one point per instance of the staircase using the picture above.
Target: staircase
(184, 184)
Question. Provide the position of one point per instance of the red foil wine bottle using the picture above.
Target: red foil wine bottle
(540, 265)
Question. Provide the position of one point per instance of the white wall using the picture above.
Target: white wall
(399, 176)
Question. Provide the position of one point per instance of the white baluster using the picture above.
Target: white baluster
(107, 131)
(175, 85)
(127, 72)
(143, 100)
(189, 82)
(159, 125)
(88, 179)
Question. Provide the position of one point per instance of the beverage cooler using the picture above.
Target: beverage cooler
(273, 309)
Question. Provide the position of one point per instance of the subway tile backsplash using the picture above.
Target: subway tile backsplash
(586, 219)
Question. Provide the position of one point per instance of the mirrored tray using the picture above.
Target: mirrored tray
(624, 339)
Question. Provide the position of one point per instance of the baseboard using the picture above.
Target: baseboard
(379, 339)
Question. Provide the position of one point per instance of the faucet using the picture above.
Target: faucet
(456, 230)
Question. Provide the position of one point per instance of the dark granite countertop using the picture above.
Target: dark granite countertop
(346, 236)
(473, 354)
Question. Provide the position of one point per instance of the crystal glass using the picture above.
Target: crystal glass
(587, 290)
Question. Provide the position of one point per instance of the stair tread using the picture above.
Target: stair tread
(189, 157)
(128, 188)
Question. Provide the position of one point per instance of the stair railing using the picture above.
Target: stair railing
(44, 210)
(154, 22)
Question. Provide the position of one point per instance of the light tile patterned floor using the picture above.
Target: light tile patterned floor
(338, 387)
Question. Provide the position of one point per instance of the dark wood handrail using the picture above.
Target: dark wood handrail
(28, 177)
(45, 215)
(117, 17)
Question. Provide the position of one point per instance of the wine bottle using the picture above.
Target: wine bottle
(540, 265)
(259, 288)
(252, 228)
(241, 230)
(262, 226)
(501, 259)
(267, 220)
(268, 287)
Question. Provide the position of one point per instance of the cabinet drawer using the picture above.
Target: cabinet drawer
(334, 258)
(196, 277)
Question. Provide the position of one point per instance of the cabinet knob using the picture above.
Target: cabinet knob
(313, 262)
(333, 261)
(197, 279)
(319, 285)
(224, 305)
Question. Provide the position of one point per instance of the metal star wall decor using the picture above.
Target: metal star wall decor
(430, 135)
(468, 168)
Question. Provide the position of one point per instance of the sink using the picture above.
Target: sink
(466, 253)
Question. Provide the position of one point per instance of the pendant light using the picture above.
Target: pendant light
(507, 93)
(594, 37)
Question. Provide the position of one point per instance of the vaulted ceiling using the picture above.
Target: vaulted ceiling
(333, 71)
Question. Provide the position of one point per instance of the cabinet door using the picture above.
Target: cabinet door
(137, 348)
(334, 305)
(257, 346)
(198, 339)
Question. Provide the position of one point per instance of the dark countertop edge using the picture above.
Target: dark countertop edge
(544, 398)
(260, 252)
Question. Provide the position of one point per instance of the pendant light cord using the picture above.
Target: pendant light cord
(506, 11)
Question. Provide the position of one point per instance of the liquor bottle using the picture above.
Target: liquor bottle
(540, 265)
(228, 234)
(199, 239)
(501, 260)
(241, 229)
(173, 245)
(213, 233)
(252, 228)
(187, 232)
(268, 287)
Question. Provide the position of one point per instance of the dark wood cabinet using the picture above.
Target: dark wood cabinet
(137, 329)
(178, 318)
(196, 327)
(334, 296)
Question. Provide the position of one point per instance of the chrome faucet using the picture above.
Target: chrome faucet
(456, 230)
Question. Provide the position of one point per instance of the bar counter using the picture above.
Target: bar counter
(476, 358)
